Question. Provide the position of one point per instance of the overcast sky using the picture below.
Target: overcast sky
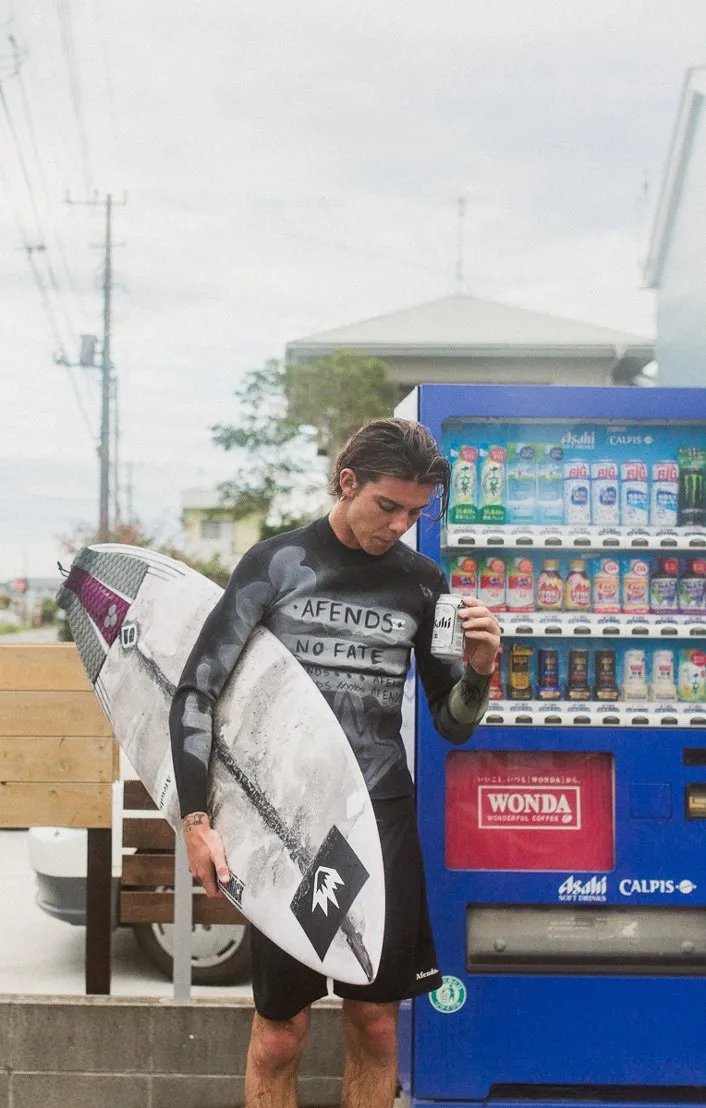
(289, 168)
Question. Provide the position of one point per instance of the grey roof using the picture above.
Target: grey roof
(690, 109)
(462, 324)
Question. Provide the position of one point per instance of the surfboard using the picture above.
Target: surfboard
(285, 791)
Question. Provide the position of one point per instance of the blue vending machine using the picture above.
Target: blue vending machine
(565, 843)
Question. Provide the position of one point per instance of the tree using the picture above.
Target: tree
(275, 475)
(288, 418)
(337, 393)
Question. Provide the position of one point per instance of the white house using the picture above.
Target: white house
(461, 339)
(676, 263)
(210, 530)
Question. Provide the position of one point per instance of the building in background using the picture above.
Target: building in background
(676, 264)
(210, 530)
(460, 340)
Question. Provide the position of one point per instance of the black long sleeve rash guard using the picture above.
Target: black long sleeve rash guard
(351, 619)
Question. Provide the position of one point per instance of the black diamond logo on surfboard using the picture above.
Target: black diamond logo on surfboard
(327, 890)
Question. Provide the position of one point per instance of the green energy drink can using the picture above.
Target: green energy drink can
(691, 509)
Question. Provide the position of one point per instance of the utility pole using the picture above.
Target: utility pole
(104, 450)
(87, 360)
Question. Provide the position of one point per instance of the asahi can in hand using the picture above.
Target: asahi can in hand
(448, 640)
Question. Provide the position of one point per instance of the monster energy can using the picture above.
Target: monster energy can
(691, 508)
(448, 639)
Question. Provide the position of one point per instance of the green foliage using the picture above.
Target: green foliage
(275, 448)
(285, 417)
(337, 393)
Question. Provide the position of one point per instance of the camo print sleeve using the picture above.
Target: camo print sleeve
(209, 666)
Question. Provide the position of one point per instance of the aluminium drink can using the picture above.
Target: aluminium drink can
(664, 494)
(448, 639)
(634, 508)
(605, 502)
(577, 491)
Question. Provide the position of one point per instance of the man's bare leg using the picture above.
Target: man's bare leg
(370, 1069)
(276, 1047)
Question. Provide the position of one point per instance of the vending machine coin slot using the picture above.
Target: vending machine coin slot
(696, 801)
(694, 756)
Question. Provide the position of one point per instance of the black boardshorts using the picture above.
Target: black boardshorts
(408, 966)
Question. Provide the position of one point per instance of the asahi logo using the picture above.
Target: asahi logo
(585, 441)
(551, 806)
(581, 890)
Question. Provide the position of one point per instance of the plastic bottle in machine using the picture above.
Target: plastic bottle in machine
(550, 587)
(606, 586)
(491, 583)
(664, 686)
(520, 585)
(550, 484)
(577, 590)
(692, 676)
(463, 501)
(521, 482)
(635, 675)
(492, 485)
(692, 588)
(664, 586)
(464, 576)
(636, 587)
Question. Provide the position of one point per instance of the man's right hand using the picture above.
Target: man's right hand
(205, 852)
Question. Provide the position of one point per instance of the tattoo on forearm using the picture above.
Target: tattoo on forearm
(470, 694)
(195, 819)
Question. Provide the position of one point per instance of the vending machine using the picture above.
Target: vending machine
(565, 843)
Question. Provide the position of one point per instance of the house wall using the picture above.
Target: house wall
(681, 296)
(232, 540)
(502, 371)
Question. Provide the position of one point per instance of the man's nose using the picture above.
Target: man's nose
(399, 524)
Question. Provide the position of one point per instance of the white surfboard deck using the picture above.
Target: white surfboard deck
(285, 791)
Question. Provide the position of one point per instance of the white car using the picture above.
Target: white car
(220, 952)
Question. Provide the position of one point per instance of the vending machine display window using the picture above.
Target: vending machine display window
(605, 473)
(530, 810)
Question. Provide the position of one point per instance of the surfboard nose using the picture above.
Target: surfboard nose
(106, 608)
(96, 596)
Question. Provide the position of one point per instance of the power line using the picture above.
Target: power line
(29, 121)
(67, 45)
(28, 183)
(30, 250)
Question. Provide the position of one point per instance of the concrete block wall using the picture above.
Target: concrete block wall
(146, 1053)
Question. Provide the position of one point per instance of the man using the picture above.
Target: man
(343, 580)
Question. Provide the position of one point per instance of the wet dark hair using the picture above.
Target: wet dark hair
(399, 448)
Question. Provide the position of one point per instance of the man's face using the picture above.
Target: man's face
(378, 513)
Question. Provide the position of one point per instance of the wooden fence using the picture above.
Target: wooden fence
(58, 760)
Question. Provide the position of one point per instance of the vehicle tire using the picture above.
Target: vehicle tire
(220, 952)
